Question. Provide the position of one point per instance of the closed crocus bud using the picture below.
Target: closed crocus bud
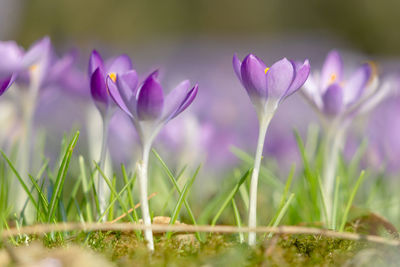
(268, 86)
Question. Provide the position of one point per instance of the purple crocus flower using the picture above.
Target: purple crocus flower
(329, 91)
(337, 99)
(267, 87)
(98, 73)
(146, 105)
(37, 62)
(149, 112)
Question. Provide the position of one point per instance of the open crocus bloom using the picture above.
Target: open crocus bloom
(98, 73)
(330, 93)
(268, 86)
(146, 105)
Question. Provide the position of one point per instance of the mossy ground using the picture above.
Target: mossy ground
(125, 249)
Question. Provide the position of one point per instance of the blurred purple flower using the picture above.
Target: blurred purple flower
(332, 94)
(267, 87)
(99, 71)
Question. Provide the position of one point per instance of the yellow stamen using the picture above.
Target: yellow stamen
(113, 76)
(333, 78)
(33, 68)
(266, 70)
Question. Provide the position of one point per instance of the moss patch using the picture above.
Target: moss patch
(126, 249)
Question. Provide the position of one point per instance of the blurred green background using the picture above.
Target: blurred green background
(371, 26)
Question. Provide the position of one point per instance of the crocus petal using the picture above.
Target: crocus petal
(311, 90)
(127, 87)
(98, 89)
(175, 98)
(150, 99)
(279, 78)
(95, 62)
(61, 67)
(333, 99)
(116, 94)
(120, 64)
(6, 83)
(11, 58)
(236, 66)
(188, 100)
(332, 69)
(354, 87)
(301, 74)
(36, 52)
(253, 77)
(131, 80)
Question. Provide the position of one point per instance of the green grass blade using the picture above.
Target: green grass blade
(112, 197)
(321, 191)
(335, 203)
(237, 220)
(350, 201)
(282, 212)
(78, 209)
(131, 183)
(265, 174)
(285, 193)
(42, 197)
(173, 189)
(311, 178)
(59, 183)
(24, 186)
(118, 197)
(86, 190)
(181, 199)
(231, 195)
(176, 186)
(73, 194)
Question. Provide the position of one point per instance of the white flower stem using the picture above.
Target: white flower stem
(333, 144)
(24, 154)
(142, 167)
(264, 122)
(101, 184)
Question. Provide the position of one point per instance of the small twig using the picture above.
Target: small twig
(131, 210)
(162, 228)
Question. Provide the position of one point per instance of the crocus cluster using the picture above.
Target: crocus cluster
(114, 85)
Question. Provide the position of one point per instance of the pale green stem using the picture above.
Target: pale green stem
(142, 167)
(333, 144)
(265, 119)
(26, 141)
(101, 184)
